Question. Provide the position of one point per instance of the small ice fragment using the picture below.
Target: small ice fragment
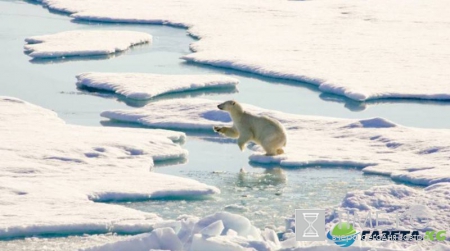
(214, 229)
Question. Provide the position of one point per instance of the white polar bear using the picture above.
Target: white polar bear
(264, 131)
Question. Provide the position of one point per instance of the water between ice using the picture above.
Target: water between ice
(265, 195)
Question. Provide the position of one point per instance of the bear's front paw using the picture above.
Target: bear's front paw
(218, 129)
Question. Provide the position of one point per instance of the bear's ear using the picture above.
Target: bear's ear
(233, 103)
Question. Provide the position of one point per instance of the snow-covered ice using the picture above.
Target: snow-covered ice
(418, 156)
(83, 43)
(219, 232)
(359, 49)
(53, 175)
(430, 203)
(143, 86)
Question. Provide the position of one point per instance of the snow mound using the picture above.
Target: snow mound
(191, 236)
(347, 47)
(83, 43)
(51, 173)
(418, 156)
(143, 86)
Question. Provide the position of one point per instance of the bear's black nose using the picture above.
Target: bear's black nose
(219, 107)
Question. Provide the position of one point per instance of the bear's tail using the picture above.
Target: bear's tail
(280, 151)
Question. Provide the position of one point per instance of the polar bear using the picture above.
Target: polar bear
(264, 131)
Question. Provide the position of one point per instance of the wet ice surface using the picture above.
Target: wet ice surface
(265, 195)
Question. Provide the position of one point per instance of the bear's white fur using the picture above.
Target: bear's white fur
(264, 131)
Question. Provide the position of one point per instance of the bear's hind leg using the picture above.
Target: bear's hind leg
(270, 151)
(242, 141)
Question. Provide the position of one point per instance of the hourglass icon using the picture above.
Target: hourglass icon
(310, 231)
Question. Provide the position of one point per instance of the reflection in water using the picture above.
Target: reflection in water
(72, 59)
(358, 106)
(171, 162)
(270, 177)
(350, 104)
(263, 196)
(172, 95)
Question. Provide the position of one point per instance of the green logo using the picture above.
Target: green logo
(343, 234)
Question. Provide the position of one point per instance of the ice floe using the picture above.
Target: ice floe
(83, 43)
(143, 86)
(418, 156)
(53, 175)
(352, 48)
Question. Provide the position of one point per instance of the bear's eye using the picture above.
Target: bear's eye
(233, 103)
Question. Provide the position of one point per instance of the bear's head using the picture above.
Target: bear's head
(230, 106)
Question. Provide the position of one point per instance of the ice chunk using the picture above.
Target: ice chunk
(83, 43)
(167, 239)
(351, 48)
(270, 236)
(44, 165)
(214, 229)
(187, 226)
(236, 222)
(143, 86)
(418, 156)
(231, 232)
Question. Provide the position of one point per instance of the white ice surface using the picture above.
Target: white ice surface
(419, 156)
(359, 49)
(83, 43)
(432, 204)
(142, 86)
(52, 174)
